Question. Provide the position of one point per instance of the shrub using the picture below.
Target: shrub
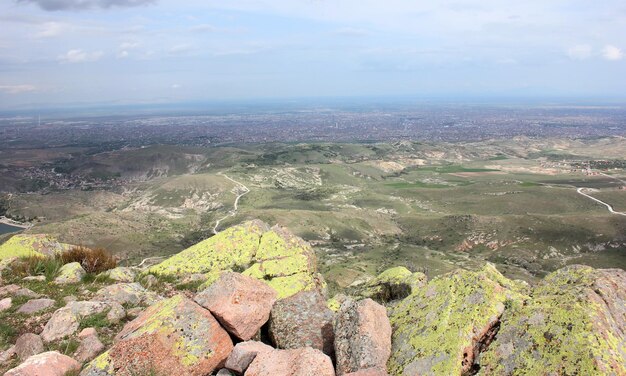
(95, 260)
(37, 265)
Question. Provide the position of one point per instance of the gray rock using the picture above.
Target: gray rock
(89, 348)
(127, 294)
(302, 320)
(36, 305)
(243, 354)
(70, 273)
(5, 304)
(27, 345)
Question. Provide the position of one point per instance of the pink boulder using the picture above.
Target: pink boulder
(50, 363)
(242, 304)
(362, 336)
(243, 354)
(299, 362)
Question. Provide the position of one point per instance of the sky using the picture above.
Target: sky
(69, 52)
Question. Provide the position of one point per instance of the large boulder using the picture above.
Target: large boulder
(129, 294)
(298, 362)
(286, 263)
(175, 336)
(303, 320)
(25, 245)
(233, 248)
(66, 321)
(441, 328)
(70, 273)
(275, 256)
(574, 323)
(241, 304)
(50, 363)
(362, 336)
(243, 354)
(393, 284)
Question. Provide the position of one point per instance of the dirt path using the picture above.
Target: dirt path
(231, 213)
(581, 191)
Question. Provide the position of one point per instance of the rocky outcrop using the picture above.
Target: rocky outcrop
(129, 294)
(275, 256)
(27, 345)
(573, 323)
(362, 336)
(175, 336)
(303, 320)
(25, 245)
(50, 363)
(300, 362)
(90, 346)
(70, 273)
(241, 304)
(66, 321)
(440, 329)
(393, 284)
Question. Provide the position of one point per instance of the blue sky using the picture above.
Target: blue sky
(57, 52)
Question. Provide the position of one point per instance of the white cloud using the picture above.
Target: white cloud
(613, 53)
(129, 45)
(580, 52)
(80, 56)
(122, 54)
(51, 29)
(17, 89)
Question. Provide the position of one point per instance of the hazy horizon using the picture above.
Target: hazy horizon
(56, 53)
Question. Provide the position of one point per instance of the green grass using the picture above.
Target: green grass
(455, 169)
(417, 184)
(98, 320)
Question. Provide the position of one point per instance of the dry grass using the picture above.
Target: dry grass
(95, 260)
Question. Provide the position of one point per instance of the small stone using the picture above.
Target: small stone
(8, 290)
(36, 305)
(87, 332)
(362, 336)
(7, 354)
(27, 345)
(302, 320)
(50, 363)
(34, 278)
(89, 348)
(298, 362)
(243, 354)
(70, 273)
(241, 304)
(5, 304)
(116, 313)
(224, 372)
(120, 274)
(70, 298)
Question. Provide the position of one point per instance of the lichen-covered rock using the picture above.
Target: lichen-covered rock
(120, 274)
(175, 336)
(440, 329)
(243, 354)
(27, 345)
(286, 263)
(241, 304)
(26, 245)
(574, 323)
(298, 362)
(275, 256)
(233, 248)
(303, 320)
(70, 273)
(362, 336)
(66, 321)
(334, 303)
(36, 305)
(51, 363)
(393, 284)
(127, 294)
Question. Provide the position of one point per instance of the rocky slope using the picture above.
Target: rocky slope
(249, 301)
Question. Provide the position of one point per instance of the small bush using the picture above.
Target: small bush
(37, 265)
(95, 260)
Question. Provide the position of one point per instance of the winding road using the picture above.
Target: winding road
(581, 191)
(231, 213)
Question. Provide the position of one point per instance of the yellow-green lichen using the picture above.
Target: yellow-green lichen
(233, 248)
(435, 325)
(26, 245)
(562, 329)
